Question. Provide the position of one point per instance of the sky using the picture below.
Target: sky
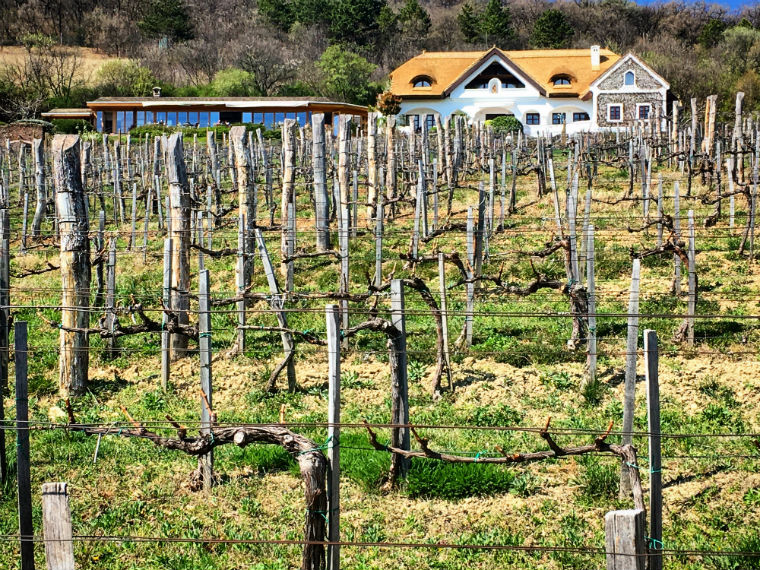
(735, 5)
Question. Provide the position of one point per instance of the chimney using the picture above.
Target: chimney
(595, 58)
(157, 92)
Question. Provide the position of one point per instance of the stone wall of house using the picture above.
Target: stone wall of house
(643, 78)
(629, 102)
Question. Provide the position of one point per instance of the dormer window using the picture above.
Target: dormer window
(561, 80)
(498, 72)
(422, 81)
(629, 78)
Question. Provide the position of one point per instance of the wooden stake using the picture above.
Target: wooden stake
(399, 387)
(75, 265)
(624, 531)
(444, 317)
(23, 465)
(56, 527)
(333, 434)
(655, 460)
(167, 302)
(630, 372)
(205, 462)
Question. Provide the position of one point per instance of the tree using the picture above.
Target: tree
(346, 76)
(496, 24)
(270, 63)
(279, 13)
(468, 23)
(233, 82)
(167, 19)
(712, 33)
(124, 78)
(355, 21)
(551, 30)
(414, 19)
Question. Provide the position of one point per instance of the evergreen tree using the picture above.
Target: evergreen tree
(468, 23)
(496, 24)
(551, 30)
(279, 13)
(414, 19)
(167, 19)
(355, 21)
(712, 33)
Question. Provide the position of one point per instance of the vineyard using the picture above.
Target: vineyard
(369, 347)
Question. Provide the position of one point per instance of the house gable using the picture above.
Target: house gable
(490, 57)
(645, 78)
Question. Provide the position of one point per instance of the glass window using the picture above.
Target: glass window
(247, 117)
(532, 119)
(149, 118)
(182, 118)
(643, 111)
(279, 118)
(430, 121)
(213, 118)
(171, 119)
(615, 112)
(128, 120)
(561, 80)
(192, 118)
(99, 121)
(508, 81)
(422, 83)
(558, 118)
(119, 121)
(160, 117)
(629, 78)
(301, 118)
(580, 117)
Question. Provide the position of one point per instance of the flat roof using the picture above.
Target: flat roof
(86, 113)
(227, 103)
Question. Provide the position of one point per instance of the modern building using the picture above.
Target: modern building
(119, 114)
(548, 91)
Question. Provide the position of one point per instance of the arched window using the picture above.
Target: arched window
(630, 78)
(560, 80)
(422, 81)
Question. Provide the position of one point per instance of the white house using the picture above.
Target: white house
(546, 90)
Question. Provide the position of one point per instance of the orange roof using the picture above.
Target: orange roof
(448, 69)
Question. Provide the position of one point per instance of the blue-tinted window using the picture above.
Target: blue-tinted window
(213, 118)
(192, 118)
(182, 118)
(149, 118)
(279, 118)
(128, 121)
(580, 117)
(558, 118)
(161, 117)
(629, 78)
(532, 119)
(99, 121)
(247, 117)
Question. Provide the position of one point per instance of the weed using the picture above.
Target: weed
(598, 481)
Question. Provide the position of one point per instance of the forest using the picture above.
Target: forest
(345, 49)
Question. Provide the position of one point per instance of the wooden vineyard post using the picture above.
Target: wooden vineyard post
(677, 232)
(23, 465)
(651, 360)
(179, 216)
(206, 461)
(241, 282)
(591, 293)
(246, 195)
(5, 257)
(134, 217)
(399, 387)
(731, 201)
(480, 234)
(692, 303)
(444, 317)
(75, 265)
(56, 526)
(659, 211)
(333, 435)
(287, 214)
(624, 543)
(38, 151)
(470, 283)
(276, 302)
(321, 201)
(372, 178)
(111, 297)
(417, 212)
(379, 238)
(167, 301)
(630, 372)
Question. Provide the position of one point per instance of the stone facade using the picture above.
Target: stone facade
(630, 109)
(643, 78)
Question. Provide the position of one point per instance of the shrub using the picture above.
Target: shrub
(388, 103)
(71, 126)
(505, 124)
